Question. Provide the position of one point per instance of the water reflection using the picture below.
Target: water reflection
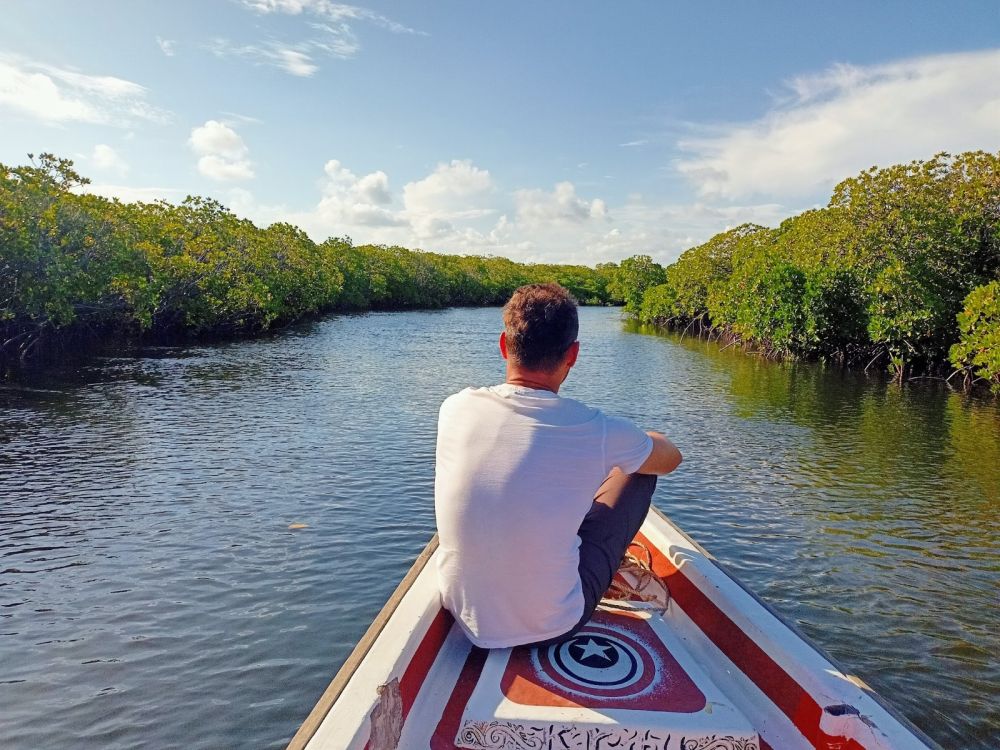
(147, 570)
(896, 494)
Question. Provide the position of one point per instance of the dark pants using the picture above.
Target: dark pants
(614, 518)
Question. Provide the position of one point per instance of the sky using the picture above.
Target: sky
(576, 132)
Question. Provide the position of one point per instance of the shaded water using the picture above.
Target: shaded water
(152, 594)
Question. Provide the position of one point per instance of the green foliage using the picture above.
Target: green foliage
(631, 279)
(834, 314)
(892, 268)
(382, 277)
(879, 274)
(71, 262)
(702, 267)
(658, 304)
(765, 302)
(978, 348)
(605, 273)
(904, 315)
(924, 235)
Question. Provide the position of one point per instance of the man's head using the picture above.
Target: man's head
(540, 328)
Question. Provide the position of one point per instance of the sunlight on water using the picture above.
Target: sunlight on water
(205, 532)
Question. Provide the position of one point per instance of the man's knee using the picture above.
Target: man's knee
(618, 485)
(648, 481)
(636, 498)
(640, 486)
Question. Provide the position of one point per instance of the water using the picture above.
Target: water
(153, 596)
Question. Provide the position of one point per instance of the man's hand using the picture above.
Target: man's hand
(664, 458)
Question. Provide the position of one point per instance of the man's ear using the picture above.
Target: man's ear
(503, 344)
(572, 353)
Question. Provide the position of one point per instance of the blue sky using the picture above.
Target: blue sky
(543, 131)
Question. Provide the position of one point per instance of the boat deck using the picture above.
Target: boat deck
(711, 668)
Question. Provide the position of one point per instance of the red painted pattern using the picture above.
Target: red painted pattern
(780, 687)
(530, 678)
(423, 658)
(446, 730)
(422, 661)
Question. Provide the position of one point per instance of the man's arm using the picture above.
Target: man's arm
(664, 458)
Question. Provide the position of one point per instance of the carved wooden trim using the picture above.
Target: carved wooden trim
(507, 735)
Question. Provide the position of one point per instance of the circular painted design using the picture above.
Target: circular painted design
(599, 662)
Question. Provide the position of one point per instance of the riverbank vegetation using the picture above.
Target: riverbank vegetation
(901, 270)
(76, 268)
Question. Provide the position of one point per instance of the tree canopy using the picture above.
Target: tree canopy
(899, 268)
(72, 261)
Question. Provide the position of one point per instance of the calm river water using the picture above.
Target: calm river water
(153, 596)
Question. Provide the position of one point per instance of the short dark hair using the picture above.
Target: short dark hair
(541, 324)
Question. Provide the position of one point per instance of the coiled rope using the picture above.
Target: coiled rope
(641, 569)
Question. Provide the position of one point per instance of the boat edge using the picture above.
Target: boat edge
(861, 684)
(312, 722)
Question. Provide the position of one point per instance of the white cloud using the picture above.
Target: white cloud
(243, 118)
(445, 209)
(214, 137)
(459, 208)
(52, 94)
(291, 59)
(223, 154)
(633, 144)
(329, 29)
(845, 119)
(293, 7)
(167, 46)
(336, 39)
(107, 159)
(330, 11)
(222, 169)
(458, 189)
(374, 188)
(535, 207)
(352, 205)
(665, 230)
(662, 230)
(294, 61)
(348, 204)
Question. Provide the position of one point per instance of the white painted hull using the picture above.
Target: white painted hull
(718, 670)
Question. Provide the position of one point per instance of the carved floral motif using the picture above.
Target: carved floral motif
(497, 735)
(715, 742)
(503, 735)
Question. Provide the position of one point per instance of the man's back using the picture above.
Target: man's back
(516, 473)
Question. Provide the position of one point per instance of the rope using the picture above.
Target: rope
(642, 570)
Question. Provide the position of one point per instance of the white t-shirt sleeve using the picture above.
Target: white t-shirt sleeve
(625, 445)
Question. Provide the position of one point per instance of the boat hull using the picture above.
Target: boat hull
(415, 681)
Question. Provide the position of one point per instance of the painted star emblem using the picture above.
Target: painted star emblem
(592, 648)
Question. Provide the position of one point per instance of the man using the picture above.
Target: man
(537, 496)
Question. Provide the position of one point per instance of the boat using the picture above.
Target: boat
(699, 663)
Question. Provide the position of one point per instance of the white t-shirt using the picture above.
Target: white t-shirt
(517, 469)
